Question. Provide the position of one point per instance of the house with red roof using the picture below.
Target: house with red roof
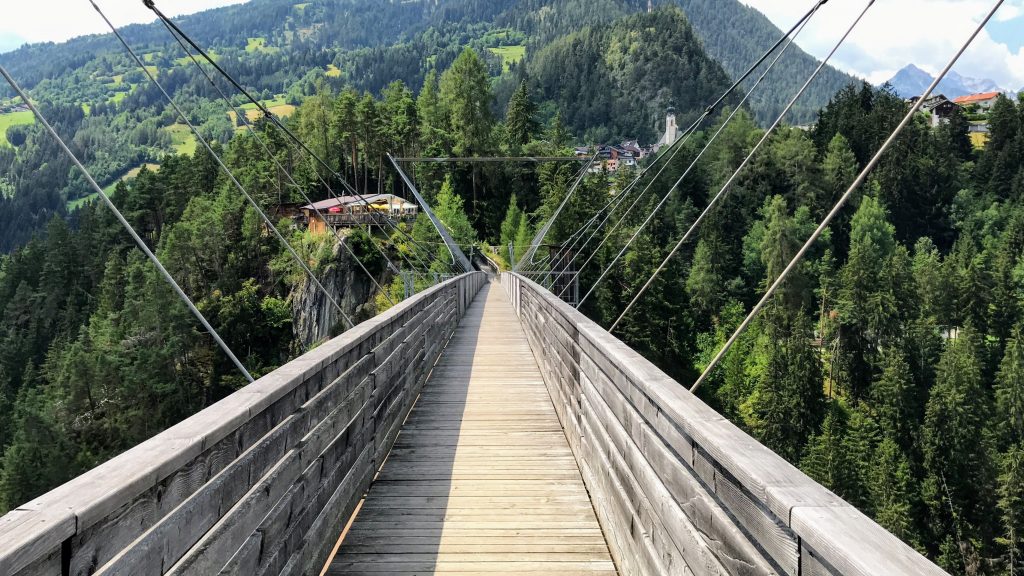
(983, 101)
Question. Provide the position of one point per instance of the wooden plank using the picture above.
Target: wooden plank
(481, 477)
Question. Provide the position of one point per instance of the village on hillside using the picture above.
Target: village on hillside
(615, 157)
(939, 109)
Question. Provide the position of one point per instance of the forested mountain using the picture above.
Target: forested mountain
(284, 51)
(890, 367)
(616, 81)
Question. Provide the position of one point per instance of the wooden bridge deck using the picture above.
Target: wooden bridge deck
(481, 478)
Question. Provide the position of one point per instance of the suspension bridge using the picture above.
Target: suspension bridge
(483, 425)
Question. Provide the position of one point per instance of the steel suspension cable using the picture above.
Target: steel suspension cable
(857, 183)
(727, 187)
(409, 184)
(263, 109)
(577, 235)
(707, 146)
(439, 226)
(223, 166)
(617, 201)
(612, 205)
(784, 39)
(532, 250)
(127, 226)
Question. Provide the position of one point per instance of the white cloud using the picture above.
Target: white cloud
(899, 32)
(59, 20)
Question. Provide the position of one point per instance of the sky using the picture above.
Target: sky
(58, 20)
(927, 33)
(893, 34)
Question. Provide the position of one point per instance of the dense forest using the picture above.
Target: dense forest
(890, 367)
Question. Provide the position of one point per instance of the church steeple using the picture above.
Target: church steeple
(650, 6)
(671, 128)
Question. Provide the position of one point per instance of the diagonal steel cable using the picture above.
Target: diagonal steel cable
(784, 39)
(707, 146)
(268, 114)
(127, 226)
(277, 163)
(857, 183)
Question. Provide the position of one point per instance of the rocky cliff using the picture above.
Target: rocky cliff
(315, 319)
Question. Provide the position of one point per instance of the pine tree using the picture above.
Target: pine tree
(451, 211)
(465, 96)
(524, 236)
(1011, 506)
(520, 121)
(892, 486)
(704, 284)
(557, 133)
(893, 397)
(827, 457)
(958, 461)
(839, 166)
(872, 244)
(1009, 388)
(510, 225)
(779, 244)
(786, 403)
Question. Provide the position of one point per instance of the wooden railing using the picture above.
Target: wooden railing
(372, 218)
(261, 482)
(679, 489)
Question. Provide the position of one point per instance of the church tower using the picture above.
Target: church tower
(650, 6)
(671, 128)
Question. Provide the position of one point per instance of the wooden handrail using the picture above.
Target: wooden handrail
(261, 480)
(676, 483)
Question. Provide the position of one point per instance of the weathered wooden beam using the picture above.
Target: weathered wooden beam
(256, 483)
(663, 465)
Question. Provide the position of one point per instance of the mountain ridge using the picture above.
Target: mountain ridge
(731, 32)
(912, 81)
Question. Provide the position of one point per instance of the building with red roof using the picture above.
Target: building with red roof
(983, 101)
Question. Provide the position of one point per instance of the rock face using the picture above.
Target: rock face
(315, 319)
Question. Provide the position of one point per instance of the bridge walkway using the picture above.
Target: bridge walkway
(481, 478)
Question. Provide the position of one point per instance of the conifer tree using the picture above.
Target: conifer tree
(465, 97)
(786, 403)
(451, 211)
(520, 118)
(893, 396)
(826, 458)
(958, 461)
(1011, 506)
(872, 244)
(1009, 389)
(891, 488)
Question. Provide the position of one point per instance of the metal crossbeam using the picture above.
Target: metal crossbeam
(494, 159)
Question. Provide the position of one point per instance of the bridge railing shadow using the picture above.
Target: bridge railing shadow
(401, 525)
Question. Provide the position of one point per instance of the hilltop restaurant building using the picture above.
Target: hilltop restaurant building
(348, 211)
